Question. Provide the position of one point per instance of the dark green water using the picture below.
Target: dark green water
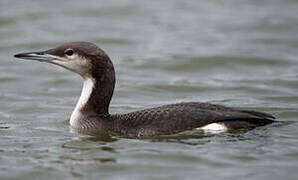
(237, 53)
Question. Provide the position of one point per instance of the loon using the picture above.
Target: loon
(92, 110)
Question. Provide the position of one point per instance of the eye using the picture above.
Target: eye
(69, 52)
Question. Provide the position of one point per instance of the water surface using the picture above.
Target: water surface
(236, 53)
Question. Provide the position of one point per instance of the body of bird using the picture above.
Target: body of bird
(92, 110)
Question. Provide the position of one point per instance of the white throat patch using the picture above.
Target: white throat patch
(85, 95)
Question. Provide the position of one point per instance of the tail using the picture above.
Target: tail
(261, 115)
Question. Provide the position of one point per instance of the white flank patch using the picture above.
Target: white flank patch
(85, 95)
(214, 127)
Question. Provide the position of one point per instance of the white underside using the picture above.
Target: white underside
(214, 127)
(85, 95)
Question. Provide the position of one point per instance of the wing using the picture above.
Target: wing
(180, 117)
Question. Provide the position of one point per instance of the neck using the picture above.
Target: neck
(97, 93)
(77, 114)
(94, 100)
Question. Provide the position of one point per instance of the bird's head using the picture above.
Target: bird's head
(83, 58)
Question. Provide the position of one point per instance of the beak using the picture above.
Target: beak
(37, 56)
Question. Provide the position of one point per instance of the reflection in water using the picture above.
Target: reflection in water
(194, 137)
(95, 135)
